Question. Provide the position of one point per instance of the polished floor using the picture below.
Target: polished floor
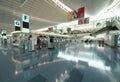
(80, 62)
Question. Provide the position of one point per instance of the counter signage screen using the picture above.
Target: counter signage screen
(118, 39)
(4, 32)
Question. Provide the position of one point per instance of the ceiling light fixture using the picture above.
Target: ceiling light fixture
(62, 6)
(42, 29)
(22, 2)
(114, 4)
(108, 12)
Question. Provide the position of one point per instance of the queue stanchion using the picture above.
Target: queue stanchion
(58, 44)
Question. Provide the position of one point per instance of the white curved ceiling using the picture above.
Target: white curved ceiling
(43, 14)
(92, 7)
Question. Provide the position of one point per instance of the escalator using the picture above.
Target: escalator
(114, 27)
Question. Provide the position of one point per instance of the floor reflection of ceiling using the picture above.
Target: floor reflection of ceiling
(93, 62)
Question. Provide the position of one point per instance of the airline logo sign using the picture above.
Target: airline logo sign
(25, 18)
(17, 23)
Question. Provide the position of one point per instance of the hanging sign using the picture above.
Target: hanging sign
(25, 19)
(17, 25)
(81, 12)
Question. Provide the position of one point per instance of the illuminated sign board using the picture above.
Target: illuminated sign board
(17, 25)
(25, 19)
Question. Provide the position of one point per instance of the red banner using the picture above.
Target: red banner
(81, 12)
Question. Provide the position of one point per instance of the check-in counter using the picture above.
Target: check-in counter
(112, 39)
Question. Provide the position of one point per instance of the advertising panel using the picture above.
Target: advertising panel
(69, 16)
(83, 21)
(75, 14)
(81, 12)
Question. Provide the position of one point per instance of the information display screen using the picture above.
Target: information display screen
(17, 28)
(25, 25)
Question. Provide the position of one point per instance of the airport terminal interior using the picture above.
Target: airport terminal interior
(59, 40)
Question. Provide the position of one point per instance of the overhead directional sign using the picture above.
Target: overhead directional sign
(22, 2)
(25, 18)
(17, 23)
